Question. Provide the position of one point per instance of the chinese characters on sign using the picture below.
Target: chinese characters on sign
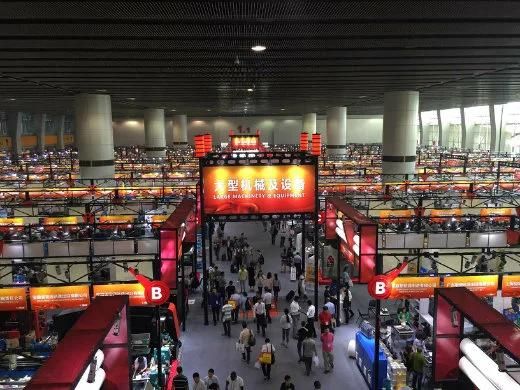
(481, 285)
(13, 299)
(135, 292)
(65, 297)
(414, 287)
(259, 189)
(511, 286)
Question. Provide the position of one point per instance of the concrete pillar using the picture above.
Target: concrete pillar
(400, 132)
(336, 130)
(41, 128)
(154, 132)
(463, 130)
(421, 131)
(180, 131)
(309, 123)
(95, 138)
(442, 138)
(61, 132)
(14, 129)
(494, 142)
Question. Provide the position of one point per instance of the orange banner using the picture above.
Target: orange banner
(444, 215)
(414, 287)
(511, 286)
(481, 285)
(135, 292)
(13, 299)
(267, 189)
(62, 297)
(388, 216)
(60, 220)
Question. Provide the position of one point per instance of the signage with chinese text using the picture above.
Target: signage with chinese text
(13, 299)
(62, 297)
(135, 292)
(412, 287)
(267, 189)
(511, 286)
(481, 285)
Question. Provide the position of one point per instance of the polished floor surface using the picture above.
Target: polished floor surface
(204, 347)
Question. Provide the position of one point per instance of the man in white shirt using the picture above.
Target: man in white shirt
(198, 384)
(259, 310)
(294, 311)
(234, 382)
(211, 378)
(236, 297)
(332, 310)
(311, 312)
(268, 300)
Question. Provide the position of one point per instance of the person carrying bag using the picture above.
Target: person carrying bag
(267, 358)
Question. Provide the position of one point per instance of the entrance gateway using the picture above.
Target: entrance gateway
(245, 183)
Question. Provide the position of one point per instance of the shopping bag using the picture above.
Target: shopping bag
(293, 273)
(239, 347)
(257, 364)
(316, 360)
(265, 358)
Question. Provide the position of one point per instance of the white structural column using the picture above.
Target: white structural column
(463, 130)
(309, 123)
(95, 137)
(494, 143)
(154, 132)
(41, 128)
(336, 130)
(400, 132)
(14, 129)
(180, 131)
(443, 139)
(61, 132)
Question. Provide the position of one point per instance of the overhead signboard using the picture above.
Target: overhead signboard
(13, 299)
(481, 285)
(135, 292)
(265, 189)
(62, 297)
(511, 286)
(414, 287)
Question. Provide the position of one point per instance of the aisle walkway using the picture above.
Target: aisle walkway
(204, 347)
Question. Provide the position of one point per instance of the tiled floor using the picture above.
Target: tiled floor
(204, 347)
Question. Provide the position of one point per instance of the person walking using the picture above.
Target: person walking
(301, 287)
(267, 358)
(325, 319)
(180, 382)
(227, 310)
(297, 261)
(229, 249)
(308, 352)
(287, 384)
(311, 312)
(283, 234)
(251, 276)
(245, 306)
(215, 304)
(274, 233)
(198, 384)
(301, 336)
(235, 300)
(276, 288)
(230, 289)
(243, 275)
(294, 310)
(260, 281)
(247, 339)
(234, 382)
(268, 281)
(259, 310)
(317, 385)
(286, 324)
(347, 304)
(417, 361)
(211, 378)
(327, 348)
(268, 300)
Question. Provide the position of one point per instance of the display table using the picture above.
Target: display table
(365, 360)
(402, 334)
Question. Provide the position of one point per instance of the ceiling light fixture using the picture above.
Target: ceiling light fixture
(131, 98)
(282, 109)
(258, 48)
(209, 109)
(11, 99)
(101, 90)
(173, 110)
(250, 90)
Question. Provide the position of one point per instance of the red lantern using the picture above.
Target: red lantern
(316, 145)
(304, 142)
(208, 143)
(200, 150)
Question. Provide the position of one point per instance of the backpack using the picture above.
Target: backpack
(252, 340)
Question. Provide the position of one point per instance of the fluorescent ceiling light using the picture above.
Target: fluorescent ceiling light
(250, 90)
(130, 98)
(258, 48)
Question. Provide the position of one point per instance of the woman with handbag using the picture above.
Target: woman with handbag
(266, 358)
(247, 340)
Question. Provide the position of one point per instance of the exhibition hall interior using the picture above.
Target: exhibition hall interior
(248, 195)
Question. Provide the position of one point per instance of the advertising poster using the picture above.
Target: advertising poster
(481, 285)
(511, 286)
(267, 189)
(13, 299)
(414, 287)
(135, 292)
(62, 297)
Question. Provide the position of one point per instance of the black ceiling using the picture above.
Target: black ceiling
(182, 54)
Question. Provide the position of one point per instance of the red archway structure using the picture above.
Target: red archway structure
(358, 237)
